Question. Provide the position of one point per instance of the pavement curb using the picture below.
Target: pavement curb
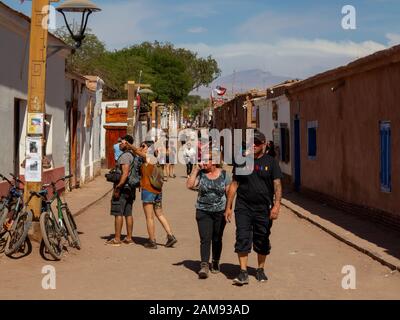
(341, 238)
(82, 210)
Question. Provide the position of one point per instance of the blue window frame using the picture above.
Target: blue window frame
(386, 165)
(312, 139)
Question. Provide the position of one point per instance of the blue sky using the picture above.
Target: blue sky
(295, 38)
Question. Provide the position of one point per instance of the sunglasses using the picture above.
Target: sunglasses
(258, 143)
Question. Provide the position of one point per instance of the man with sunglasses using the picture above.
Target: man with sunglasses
(255, 208)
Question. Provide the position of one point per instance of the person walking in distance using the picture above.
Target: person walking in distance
(189, 155)
(152, 198)
(123, 197)
(212, 183)
(117, 149)
(255, 208)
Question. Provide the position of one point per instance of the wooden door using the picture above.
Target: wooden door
(112, 135)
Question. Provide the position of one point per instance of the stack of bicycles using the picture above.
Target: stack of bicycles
(58, 229)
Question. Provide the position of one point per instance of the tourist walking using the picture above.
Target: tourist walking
(189, 155)
(212, 183)
(123, 197)
(151, 182)
(255, 208)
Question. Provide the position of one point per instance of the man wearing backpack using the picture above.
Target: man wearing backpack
(123, 196)
(151, 182)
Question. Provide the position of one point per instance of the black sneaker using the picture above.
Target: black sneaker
(171, 240)
(205, 268)
(260, 275)
(242, 278)
(215, 266)
(150, 244)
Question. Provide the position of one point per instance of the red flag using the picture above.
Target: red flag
(220, 90)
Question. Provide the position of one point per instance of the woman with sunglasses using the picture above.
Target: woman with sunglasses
(212, 183)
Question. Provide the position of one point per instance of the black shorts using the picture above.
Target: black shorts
(123, 206)
(252, 230)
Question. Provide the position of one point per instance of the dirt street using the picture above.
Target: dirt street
(306, 263)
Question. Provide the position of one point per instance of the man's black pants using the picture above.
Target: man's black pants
(189, 168)
(211, 229)
(252, 229)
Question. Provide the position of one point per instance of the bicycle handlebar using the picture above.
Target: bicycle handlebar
(36, 194)
(16, 179)
(53, 184)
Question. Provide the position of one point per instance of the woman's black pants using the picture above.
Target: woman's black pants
(211, 229)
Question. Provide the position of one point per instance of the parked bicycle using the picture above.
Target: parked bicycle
(57, 229)
(14, 221)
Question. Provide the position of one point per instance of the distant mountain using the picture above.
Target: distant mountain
(242, 81)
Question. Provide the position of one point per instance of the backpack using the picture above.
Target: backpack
(133, 181)
(157, 177)
(134, 172)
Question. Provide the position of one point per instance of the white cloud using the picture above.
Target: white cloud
(197, 30)
(393, 38)
(289, 57)
(273, 25)
(129, 22)
(196, 9)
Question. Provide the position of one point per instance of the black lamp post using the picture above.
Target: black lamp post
(86, 8)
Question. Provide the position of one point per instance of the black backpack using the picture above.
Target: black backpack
(133, 181)
(134, 172)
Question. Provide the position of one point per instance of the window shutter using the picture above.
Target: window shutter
(385, 170)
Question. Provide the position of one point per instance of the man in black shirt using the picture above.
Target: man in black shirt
(255, 208)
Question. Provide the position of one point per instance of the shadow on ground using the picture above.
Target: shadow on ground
(229, 270)
(382, 236)
(137, 240)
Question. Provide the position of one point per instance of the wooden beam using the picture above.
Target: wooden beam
(131, 109)
(138, 85)
(37, 84)
(153, 114)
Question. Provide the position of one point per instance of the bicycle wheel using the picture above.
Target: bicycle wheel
(71, 227)
(50, 235)
(18, 232)
(3, 241)
(3, 232)
(3, 217)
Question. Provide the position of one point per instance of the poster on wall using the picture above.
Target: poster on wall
(35, 123)
(33, 148)
(33, 170)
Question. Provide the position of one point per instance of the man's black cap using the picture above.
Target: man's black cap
(128, 139)
(259, 136)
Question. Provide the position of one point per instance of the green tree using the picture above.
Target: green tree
(172, 72)
(194, 105)
(84, 60)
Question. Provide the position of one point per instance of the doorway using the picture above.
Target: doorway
(19, 135)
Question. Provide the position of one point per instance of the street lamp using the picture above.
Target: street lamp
(86, 8)
(37, 81)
